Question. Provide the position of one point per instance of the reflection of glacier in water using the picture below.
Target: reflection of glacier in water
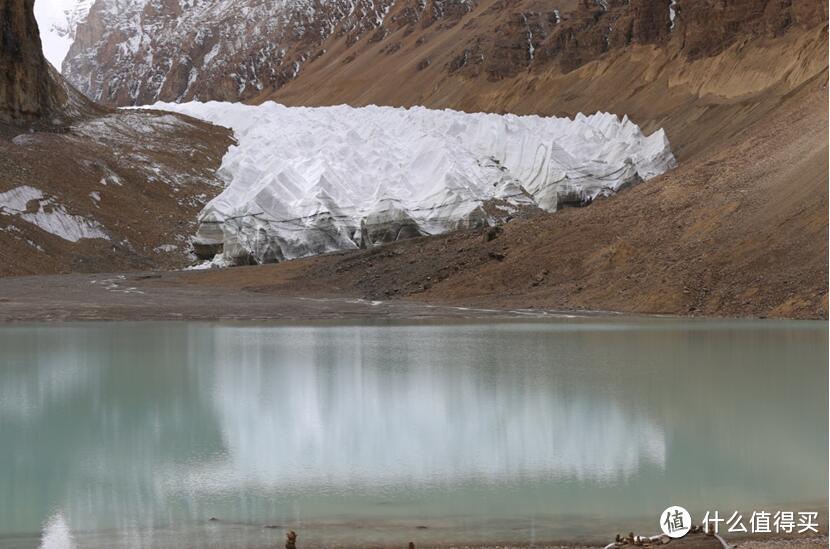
(134, 435)
(56, 534)
(294, 419)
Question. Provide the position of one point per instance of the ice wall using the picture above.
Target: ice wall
(303, 181)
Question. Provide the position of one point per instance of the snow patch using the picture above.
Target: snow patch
(17, 198)
(32, 206)
(24, 139)
(672, 14)
(303, 181)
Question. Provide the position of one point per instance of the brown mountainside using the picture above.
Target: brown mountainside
(83, 188)
(323, 51)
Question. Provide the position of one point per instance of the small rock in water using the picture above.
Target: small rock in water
(291, 540)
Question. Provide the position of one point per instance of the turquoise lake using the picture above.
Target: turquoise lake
(138, 434)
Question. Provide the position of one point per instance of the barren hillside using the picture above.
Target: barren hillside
(83, 188)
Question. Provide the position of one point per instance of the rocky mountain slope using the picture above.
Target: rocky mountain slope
(131, 52)
(110, 192)
(739, 228)
(83, 188)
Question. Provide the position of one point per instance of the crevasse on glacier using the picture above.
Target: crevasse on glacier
(303, 181)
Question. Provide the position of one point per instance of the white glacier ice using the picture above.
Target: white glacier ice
(303, 181)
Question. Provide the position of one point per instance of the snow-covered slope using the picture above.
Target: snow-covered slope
(34, 207)
(133, 52)
(303, 181)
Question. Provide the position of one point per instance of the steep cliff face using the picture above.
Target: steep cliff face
(707, 27)
(141, 51)
(27, 90)
(31, 90)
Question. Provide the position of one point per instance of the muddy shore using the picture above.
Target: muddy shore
(198, 296)
(267, 293)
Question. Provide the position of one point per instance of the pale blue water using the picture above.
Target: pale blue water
(136, 434)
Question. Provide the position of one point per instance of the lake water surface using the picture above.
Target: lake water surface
(138, 434)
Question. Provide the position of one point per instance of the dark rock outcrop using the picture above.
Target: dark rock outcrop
(710, 26)
(27, 90)
(31, 90)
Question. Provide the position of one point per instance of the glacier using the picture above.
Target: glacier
(302, 181)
